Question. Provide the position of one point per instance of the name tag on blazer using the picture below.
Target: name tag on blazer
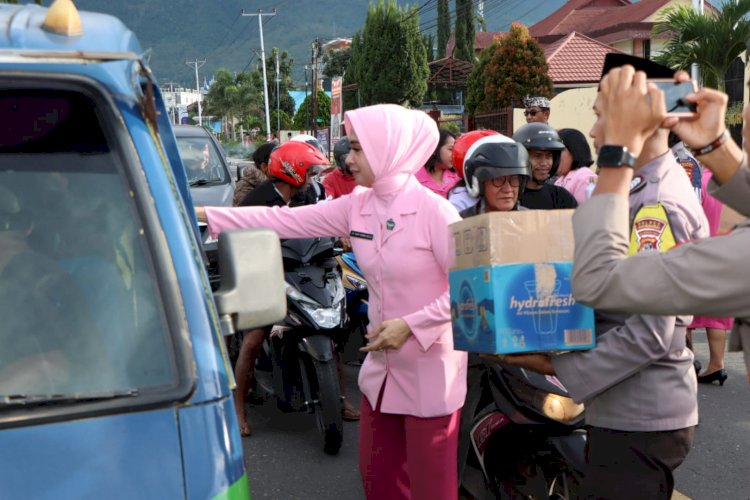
(360, 234)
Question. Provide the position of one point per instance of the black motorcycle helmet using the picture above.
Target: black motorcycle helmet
(542, 137)
(495, 156)
(340, 150)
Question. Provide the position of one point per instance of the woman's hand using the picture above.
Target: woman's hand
(200, 214)
(390, 334)
(540, 363)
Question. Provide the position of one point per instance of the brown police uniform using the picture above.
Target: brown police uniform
(639, 383)
(710, 277)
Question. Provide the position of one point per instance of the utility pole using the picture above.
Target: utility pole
(278, 99)
(197, 65)
(315, 52)
(173, 101)
(260, 15)
(694, 70)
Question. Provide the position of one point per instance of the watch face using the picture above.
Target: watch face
(615, 156)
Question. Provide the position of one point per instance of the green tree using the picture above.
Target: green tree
(712, 40)
(303, 118)
(465, 30)
(281, 119)
(508, 70)
(389, 59)
(232, 98)
(286, 102)
(336, 62)
(429, 43)
(443, 27)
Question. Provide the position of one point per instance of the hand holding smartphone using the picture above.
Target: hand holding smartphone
(674, 96)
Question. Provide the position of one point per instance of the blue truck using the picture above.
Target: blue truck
(114, 378)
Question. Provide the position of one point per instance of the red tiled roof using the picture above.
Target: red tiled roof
(576, 58)
(549, 25)
(594, 16)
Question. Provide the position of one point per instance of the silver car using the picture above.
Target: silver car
(211, 183)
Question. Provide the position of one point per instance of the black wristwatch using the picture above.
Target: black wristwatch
(615, 156)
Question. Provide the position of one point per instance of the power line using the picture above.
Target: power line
(226, 35)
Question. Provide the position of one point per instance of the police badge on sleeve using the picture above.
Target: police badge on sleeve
(651, 230)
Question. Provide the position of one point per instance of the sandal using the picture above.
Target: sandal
(349, 412)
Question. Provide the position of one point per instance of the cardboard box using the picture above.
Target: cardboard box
(510, 287)
(524, 236)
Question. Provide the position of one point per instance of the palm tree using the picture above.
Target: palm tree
(231, 97)
(712, 40)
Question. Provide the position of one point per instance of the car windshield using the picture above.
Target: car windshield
(203, 162)
(79, 299)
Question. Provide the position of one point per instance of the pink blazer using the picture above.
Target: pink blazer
(577, 181)
(407, 274)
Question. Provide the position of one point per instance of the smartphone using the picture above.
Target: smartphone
(674, 94)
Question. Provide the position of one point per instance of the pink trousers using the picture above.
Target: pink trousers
(406, 457)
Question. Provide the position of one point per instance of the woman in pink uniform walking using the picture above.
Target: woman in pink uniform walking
(413, 382)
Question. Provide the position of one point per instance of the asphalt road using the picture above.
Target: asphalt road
(285, 460)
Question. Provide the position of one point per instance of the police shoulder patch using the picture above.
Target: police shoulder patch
(651, 230)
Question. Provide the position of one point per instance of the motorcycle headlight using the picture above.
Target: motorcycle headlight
(324, 317)
(560, 408)
(327, 317)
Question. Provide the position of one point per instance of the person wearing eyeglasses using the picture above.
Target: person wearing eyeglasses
(537, 109)
(496, 170)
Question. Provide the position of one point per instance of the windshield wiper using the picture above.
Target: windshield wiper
(199, 182)
(32, 400)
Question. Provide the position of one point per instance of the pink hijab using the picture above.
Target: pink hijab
(396, 141)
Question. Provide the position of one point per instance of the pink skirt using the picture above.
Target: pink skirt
(709, 322)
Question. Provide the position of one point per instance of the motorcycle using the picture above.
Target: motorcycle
(297, 364)
(521, 435)
(356, 305)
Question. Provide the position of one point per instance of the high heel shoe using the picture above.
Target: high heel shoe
(719, 376)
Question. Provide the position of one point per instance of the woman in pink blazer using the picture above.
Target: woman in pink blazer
(574, 172)
(413, 382)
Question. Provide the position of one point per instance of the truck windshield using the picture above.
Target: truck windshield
(80, 308)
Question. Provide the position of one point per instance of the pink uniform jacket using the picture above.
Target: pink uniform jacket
(405, 255)
(577, 182)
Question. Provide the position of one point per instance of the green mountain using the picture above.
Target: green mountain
(215, 30)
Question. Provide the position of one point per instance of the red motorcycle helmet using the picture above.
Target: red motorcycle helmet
(291, 161)
(462, 145)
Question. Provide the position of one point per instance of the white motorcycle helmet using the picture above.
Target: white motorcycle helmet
(310, 140)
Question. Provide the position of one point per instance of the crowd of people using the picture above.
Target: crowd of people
(400, 182)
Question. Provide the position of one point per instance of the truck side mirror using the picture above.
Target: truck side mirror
(252, 291)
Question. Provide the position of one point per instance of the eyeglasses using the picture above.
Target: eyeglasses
(513, 180)
(531, 113)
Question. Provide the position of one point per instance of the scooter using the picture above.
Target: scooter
(356, 306)
(297, 364)
(521, 435)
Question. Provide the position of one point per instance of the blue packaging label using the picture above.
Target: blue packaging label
(518, 308)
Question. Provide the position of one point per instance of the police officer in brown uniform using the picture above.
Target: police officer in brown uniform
(638, 383)
(707, 277)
